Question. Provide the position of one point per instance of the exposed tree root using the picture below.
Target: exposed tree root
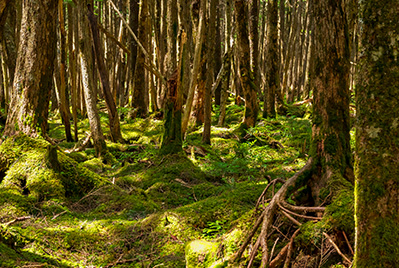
(267, 218)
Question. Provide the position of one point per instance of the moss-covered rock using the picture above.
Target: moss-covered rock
(201, 254)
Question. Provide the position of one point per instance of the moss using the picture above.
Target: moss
(95, 165)
(200, 253)
(339, 214)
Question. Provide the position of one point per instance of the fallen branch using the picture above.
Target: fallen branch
(17, 220)
(337, 248)
(347, 242)
(83, 146)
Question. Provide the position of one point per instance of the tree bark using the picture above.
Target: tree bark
(377, 139)
(64, 104)
(86, 66)
(34, 71)
(272, 62)
(330, 134)
(114, 125)
(247, 80)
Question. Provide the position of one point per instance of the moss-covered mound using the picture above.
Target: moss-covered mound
(25, 170)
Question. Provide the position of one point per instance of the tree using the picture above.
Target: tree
(247, 80)
(85, 56)
(34, 70)
(114, 125)
(272, 62)
(377, 140)
(330, 84)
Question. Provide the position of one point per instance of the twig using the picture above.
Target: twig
(337, 248)
(274, 246)
(347, 241)
(291, 218)
(84, 144)
(273, 182)
(17, 220)
(59, 214)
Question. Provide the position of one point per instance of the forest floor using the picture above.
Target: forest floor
(139, 208)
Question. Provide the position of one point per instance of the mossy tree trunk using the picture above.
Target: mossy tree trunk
(34, 70)
(377, 137)
(272, 62)
(246, 77)
(330, 133)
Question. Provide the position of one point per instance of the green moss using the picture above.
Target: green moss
(200, 253)
(95, 165)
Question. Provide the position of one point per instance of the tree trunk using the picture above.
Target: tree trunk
(247, 81)
(173, 139)
(134, 24)
(114, 125)
(330, 134)
(272, 62)
(377, 139)
(206, 135)
(34, 71)
(64, 107)
(85, 55)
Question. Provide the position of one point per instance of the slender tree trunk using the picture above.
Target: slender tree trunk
(34, 71)
(377, 139)
(272, 62)
(113, 116)
(64, 107)
(140, 92)
(206, 135)
(330, 134)
(86, 67)
(72, 66)
(249, 88)
(196, 65)
(254, 38)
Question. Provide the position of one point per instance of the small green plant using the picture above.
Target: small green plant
(214, 229)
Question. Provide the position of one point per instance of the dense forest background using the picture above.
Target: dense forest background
(203, 133)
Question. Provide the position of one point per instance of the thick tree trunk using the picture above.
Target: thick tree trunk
(85, 55)
(272, 62)
(113, 116)
(247, 80)
(34, 71)
(330, 134)
(377, 137)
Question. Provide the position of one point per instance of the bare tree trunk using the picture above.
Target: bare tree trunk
(85, 55)
(251, 99)
(206, 135)
(140, 92)
(64, 107)
(72, 48)
(272, 62)
(34, 71)
(114, 124)
(330, 134)
(196, 65)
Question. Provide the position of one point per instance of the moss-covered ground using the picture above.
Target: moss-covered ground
(143, 209)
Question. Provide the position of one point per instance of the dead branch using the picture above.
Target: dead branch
(80, 148)
(347, 242)
(273, 182)
(290, 247)
(291, 218)
(337, 248)
(17, 220)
